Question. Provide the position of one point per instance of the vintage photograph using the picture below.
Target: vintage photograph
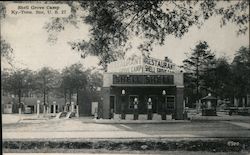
(125, 77)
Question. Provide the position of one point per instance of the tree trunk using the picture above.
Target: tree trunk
(19, 92)
(19, 95)
(44, 96)
(44, 91)
(70, 93)
(65, 97)
(77, 91)
(47, 97)
(197, 79)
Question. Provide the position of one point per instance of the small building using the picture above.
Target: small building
(209, 104)
(140, 80)
(8, 105)
(7, 108)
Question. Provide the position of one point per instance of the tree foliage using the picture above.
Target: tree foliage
(241, 71)
(199, 65)
(18, 83)
(6, 51)
(223, 79)
(74, 76)
(5, 81)
(46, 81)
(74, 79)
(113, 23)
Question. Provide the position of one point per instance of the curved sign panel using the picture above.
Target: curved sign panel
(144, 79)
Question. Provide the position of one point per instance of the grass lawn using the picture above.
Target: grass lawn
(106, 152)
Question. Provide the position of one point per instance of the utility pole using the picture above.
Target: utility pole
(19, 91)
(44, 94)
(197, 77)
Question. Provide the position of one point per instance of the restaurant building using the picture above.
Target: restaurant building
(139, 87)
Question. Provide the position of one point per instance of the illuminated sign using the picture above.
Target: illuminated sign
(142, 65)
(153, 65)
(144, 79)
(133, 65)
(158, 63)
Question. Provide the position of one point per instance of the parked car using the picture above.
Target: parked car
(27, 110)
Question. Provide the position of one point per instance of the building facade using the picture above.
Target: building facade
(142, 85)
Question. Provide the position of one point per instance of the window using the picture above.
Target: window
(248, 100)
(170, 102)
(112, 106)
(51, 109)
(209, 105)
(131, 101)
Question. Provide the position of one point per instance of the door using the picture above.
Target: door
(32, 108)
(52, 108)
(170, 104)
(112, 105)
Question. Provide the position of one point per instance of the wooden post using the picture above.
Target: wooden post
(44, 110)
(72, 106)
(54, 109)
(77, 111)
(48, 110)
(38, 109)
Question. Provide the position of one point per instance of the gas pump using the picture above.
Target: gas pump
(163, 115)
(123, 115)
(135, 109)
(149, 107)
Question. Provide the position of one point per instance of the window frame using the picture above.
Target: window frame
(170, 102)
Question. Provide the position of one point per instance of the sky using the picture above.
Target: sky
(28, 39)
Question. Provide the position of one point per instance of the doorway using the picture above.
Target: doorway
(51, 109)
(112, 105)
(32, 108)
(170, 104)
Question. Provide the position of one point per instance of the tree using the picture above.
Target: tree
(6, 51)
(218, 79)
(30, 84)
(241, 72)
(5, 82)
(17, 83)
(198, 65)
(95, 80)
(74, 79)
(223, 79)
(47, 80)
(95, 84)
(112, 23)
